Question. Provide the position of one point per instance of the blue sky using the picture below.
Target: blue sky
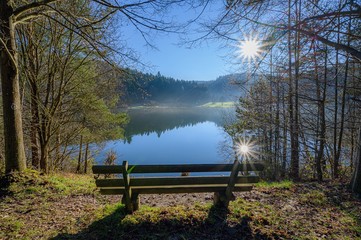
(204, 62)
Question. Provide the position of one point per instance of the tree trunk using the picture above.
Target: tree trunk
(343, 106)
(13, 133)
(80, 154)
(342, 123)
(284, 138)
(86, 158)
(320, 131)
(44, 142)
(34, 102)
(44, 157)
(34, 128)
(356, 177)
(294, 173)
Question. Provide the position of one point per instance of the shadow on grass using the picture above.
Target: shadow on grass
(215, 226)
(5, 181)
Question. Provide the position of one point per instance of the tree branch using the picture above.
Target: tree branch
(337, 46)
(31, 6)
(336, 14)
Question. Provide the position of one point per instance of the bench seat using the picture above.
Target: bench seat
(175, 189)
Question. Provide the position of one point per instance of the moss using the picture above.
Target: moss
(286, 184)
(314, 197)
(72, 183)
(10, 227)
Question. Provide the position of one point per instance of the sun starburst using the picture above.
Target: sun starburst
(245, 149)
(249, 49)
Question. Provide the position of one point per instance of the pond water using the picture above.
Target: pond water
(171, 136)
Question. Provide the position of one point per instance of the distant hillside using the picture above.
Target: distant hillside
(148, 89)
(225, 88)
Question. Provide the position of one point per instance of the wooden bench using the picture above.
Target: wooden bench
(131, 186)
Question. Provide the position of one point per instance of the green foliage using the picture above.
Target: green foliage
(131, 169)
(314, 197)
(94, 105)
(286, 184)
(71, 88)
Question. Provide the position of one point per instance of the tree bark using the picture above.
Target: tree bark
(13, 133)
(294, 168)
(86, 158)
(356, 177)
(34, 126)
(33, 72)
(80, 154)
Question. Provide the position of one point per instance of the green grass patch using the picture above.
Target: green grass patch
(10, 227)
(218, 105)
(32, 183)
(314, 197)
(286, 184)
(72, 183)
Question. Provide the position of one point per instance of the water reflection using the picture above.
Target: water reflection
(171, 136)
(160, 120)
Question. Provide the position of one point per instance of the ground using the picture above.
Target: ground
(69, 207)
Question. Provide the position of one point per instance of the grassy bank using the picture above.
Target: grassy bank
(206, 105)
(67, 206)
(218, 105)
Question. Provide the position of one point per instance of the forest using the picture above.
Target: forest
(65, 70)
(305, 106)
(147, 89)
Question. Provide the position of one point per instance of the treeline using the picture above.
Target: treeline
(147, 89)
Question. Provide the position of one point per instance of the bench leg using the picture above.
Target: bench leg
(134, 203)
(128, 205)
(220, 199)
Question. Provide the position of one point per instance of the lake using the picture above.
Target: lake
(172, 136)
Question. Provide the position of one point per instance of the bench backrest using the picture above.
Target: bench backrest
(149, 169)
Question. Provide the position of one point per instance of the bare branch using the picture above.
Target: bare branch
(340, 46)
(31, 6)
(356, 13)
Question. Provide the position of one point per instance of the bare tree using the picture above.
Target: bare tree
(315, 35)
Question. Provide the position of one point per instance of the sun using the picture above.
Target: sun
(249, 49)
(244, 149)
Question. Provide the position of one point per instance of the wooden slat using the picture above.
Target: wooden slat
(161, 181)
(117, 182)
(176, 189)
(101, 169)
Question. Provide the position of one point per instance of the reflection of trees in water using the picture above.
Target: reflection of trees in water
(159, 120)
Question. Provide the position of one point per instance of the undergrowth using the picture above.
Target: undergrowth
(67, 206)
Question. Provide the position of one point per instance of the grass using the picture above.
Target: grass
(66, 206)
(206, 105)
(218, 105)
(286, 184)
